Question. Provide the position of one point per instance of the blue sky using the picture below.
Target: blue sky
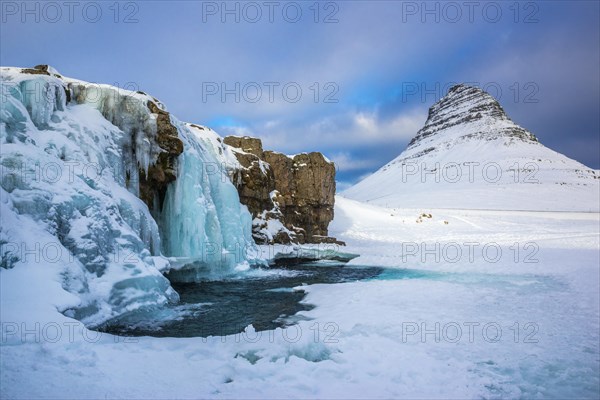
(367, 70)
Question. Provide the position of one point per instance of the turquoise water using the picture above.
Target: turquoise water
(267, 298)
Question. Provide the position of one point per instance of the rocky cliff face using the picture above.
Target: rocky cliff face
(255, 181)
(153, 187)
(290, 197)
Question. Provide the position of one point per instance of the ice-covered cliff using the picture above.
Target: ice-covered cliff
(470, 154)
(103, 191)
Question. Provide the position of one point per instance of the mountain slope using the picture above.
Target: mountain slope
(471, 155)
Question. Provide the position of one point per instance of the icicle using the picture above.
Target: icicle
(130, 113)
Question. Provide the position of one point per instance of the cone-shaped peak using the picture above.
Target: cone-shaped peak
(467, 106)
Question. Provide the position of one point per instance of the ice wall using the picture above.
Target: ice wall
(127, 111)
(71, 155)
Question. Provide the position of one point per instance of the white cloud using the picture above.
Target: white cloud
(344, 161)
(338, 134)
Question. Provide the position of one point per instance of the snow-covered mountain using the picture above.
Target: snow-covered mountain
(77, 161)
(471, 155)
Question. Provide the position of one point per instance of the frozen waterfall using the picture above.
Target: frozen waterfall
(202, 220)
(71, 155)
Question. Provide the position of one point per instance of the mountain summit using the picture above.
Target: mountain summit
(469, 106)
(470, 154)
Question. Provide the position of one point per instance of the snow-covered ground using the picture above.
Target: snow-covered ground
(515, 315)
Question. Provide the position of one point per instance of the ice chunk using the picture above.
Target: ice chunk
(309, 253)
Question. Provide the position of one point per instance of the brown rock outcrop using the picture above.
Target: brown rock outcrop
(255, 181)
(154, 186)
(297, 190)
(42, 69)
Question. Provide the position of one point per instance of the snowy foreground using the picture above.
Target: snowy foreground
(490, 323)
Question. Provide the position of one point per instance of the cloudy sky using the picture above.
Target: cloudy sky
(352, 79)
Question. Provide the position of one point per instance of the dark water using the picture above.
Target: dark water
(266, 299)
(270, 298)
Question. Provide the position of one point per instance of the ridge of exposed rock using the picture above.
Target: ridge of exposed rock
(42, 69)
(468, 105)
